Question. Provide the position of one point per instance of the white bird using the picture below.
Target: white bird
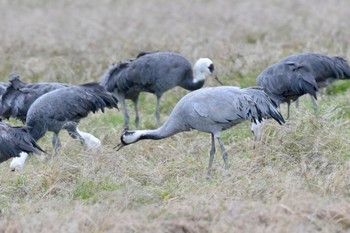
(154, 72)
(211, 110)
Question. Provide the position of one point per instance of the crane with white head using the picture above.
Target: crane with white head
(154, 72)
(211, 110)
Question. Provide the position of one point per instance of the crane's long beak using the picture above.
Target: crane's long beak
(217, 79)
(119, 146)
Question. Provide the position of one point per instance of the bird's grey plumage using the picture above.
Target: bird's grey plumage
(286, 81)
(14, 140)
(153, 72)
(211, 110)
(64, 108)
(19, 96)
(326, 69)
(3, 87)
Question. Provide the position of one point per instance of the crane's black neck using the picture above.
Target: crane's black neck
(192, 84)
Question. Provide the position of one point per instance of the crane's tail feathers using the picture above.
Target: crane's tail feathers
(98, 98)
(110, 78)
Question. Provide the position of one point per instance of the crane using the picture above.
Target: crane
(154, 72)
(211, 110)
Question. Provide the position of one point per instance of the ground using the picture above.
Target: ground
(295, 179)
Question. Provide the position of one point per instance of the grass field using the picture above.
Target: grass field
(296, 179)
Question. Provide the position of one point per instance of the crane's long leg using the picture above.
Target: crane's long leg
(121, 98)
(158, 110)
(137, 118)
(211, 156)
(56, 142)
(72, 131)
(288, 112)
(224, 152)
(314, 104)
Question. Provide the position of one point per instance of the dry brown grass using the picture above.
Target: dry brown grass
(295, 180)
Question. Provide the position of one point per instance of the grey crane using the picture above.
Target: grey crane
(286, 81)
(154, 72)
(64, 108)
(326, 69)
(16, 141)
(18, 96)
(211, 110)
(3, 87)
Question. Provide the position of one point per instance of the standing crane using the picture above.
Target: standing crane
(63, 109)
(326, 69)
(154, 72)
(211, 110)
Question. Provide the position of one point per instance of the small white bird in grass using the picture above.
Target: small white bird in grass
(154, 72)
(211, 110)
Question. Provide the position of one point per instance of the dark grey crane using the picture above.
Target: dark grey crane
(286, 81)
(16, 141)
(3, 87)
(211, 110)
(326, 69)
(64, 108)
(19, 96)
(154, 72)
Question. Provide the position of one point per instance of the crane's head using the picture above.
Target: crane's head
(128, 137)
(205, 66)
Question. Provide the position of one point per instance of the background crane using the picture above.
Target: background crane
(326, 69)
(154, 72)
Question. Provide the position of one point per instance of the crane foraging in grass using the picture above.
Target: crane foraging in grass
(63, 109)
(326, 69)
(154, 72)
(16, 141)
(18, 96)
(211, 110)
(286, 81)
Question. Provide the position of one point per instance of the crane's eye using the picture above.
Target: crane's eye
(211, 68)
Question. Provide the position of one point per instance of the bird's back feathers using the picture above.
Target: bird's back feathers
(14, 140)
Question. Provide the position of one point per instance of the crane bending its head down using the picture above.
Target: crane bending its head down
(64, 108)
(326, 69)
(16, 141)
(211, 110)
(154, 72)
(285, 82)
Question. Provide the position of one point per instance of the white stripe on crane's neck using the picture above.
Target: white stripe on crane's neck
(17, 163)
(133, 136)
(90, 140)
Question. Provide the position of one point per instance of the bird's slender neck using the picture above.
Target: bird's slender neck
(198, 74)
(166, 130)
(197, 80)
